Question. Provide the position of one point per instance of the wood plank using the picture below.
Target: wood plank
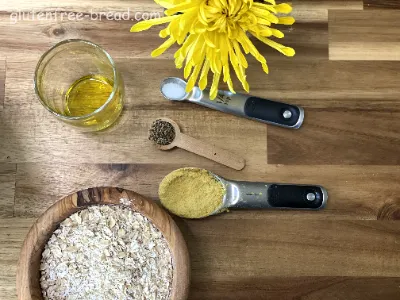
(114, 36)
(7, 188)
(308, 10)
(232, 249)
(353, 196)
(305, 288)
(338, 103)
(54, 181)
(127, 142)
(345, 137)
(380, 4)
(367, 35)
(73, 5)
(12, 234)
(316, 11)
(34, 127)
(341, 84)
(309, 39)
(341, 97)
(328, 80)
(2, 82)
(297, 249)
(329, 84)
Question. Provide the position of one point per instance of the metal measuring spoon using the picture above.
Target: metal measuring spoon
(261, 195)
(201, 148)
(259, 109)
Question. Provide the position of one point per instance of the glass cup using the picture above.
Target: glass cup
(78, 82)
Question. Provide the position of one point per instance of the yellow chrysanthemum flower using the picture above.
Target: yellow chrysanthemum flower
(214, 33)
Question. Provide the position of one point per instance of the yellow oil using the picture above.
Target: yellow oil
(87, 94)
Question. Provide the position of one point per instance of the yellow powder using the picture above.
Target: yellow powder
(191, 193)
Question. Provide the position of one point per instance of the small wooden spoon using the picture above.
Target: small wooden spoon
(198, 147)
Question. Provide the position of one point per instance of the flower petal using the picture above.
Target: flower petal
(195, 74)
(208, 40)
(286, 20)
(199, 51)
(204, 74)
(277, 33)
(227, 78)
(283, 8)
(213, 35)
(188, 69)
(164, 32)
(164, 3)
(164, 46)
(263, 9)
(252, 49)
(240, 55)
(144, 25)
(263, 21)
(281, 48)
(180, 8)
(214, 86)
(193, 47)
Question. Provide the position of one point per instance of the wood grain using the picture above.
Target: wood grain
(353, 137)
(328, 84)
(28, 273)
(317, 80)
(112, 35)
(309, 39)
(305, 288)
(202, 148)
(287, 248)
(373, 4)
(2, 82)
(127, 141)
(295, 251)
(12, 234)
(34, 193)
(367, 35)
(353, 196)
(33, 124)
(77, 5)
(256, 283)
(316, 11)
(7, 188)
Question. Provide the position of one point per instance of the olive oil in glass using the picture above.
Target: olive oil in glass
(87, 94)
(78, 82)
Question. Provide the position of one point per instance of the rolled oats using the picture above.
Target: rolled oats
(106, 253)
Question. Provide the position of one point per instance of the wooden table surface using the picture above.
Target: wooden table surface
(346, 75)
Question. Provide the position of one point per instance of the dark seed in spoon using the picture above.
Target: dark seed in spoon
(162, 133)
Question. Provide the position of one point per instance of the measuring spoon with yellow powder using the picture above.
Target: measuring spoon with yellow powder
(197, 193)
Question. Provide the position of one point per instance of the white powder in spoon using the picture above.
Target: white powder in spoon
(173, 90)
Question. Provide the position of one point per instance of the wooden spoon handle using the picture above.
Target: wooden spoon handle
(210, 151)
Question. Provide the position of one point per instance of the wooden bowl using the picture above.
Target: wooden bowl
(28, 274)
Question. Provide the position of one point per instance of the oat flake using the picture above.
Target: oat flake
(106, 253)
